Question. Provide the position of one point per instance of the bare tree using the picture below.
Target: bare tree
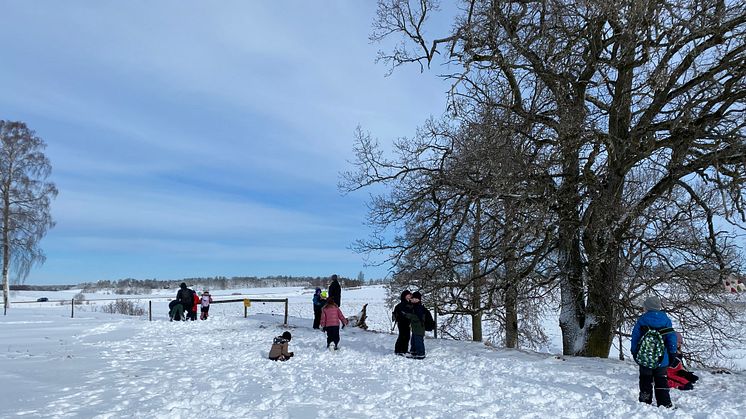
(608, 89)
(26, 196)
(464, 236)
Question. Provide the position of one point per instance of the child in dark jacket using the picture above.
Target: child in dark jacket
(417, 321)
(400, 317)
(318, 304)
(654, 318)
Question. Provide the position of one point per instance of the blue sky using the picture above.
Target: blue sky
(203, 138)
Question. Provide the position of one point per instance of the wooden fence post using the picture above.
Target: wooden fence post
(286, 312)
(150, 310)
(72, 308)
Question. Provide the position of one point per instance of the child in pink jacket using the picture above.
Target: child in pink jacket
(331, 316)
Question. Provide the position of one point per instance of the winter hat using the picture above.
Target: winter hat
(404, 294)
(417, 295)
(324, 294)
(334, 277)
(183, 285)
(652, 304)
(318, 290)
(286, 335)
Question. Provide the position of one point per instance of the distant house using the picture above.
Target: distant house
(734, 284)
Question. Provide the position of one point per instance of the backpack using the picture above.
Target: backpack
(429, 322)
(651, 348)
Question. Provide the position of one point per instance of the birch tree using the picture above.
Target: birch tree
(26, 197)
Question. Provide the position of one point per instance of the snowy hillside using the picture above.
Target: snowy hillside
(110, 366)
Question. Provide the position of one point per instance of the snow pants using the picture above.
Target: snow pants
(316, 316)
(332, 335)
(402, 342)
(648, 376)
(418, 345)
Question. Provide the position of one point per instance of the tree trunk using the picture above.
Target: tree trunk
(476, 327)
(572, 290)
(476, 295)
(511, 287)
(601, 244)
(511, 315)
(6, 247)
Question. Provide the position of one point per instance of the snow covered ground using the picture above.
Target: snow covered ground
(110, 366)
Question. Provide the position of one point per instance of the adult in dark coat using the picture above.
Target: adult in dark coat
(185, 297)
(402, 322)
(335, 291)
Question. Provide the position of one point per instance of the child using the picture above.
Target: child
(679, 377)
(279, 351)
(654, 319)
(193, 313)
(331, 316)
(318, 304)
(205, 302)
(402, 321)
(417, 318)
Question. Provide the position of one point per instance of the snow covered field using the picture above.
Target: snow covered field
(110, 366)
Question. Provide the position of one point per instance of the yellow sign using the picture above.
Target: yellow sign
(246, 302)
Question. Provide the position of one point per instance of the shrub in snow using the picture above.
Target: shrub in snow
(123, 307)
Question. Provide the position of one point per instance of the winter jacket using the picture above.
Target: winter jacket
(280, 349)
(206, 300)
(335, 292)
(196, 301)
(184, 296)
(417, 319)
(654, 319)
(331, 315)
(400, 312)
(318, 302)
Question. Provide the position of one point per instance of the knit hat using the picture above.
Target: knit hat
(652, 304)
(286, 335)
(318, 290)
(183, 285)
(417, 295)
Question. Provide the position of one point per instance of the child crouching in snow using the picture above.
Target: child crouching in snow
(331, 316)
(279, 351)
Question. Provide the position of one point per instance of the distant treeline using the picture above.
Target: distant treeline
(145, 286)
(23, 287)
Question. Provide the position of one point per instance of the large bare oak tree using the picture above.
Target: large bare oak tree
(640, 104)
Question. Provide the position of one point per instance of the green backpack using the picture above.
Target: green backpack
(652, 348)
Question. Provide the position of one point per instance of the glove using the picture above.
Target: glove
(673, 361)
